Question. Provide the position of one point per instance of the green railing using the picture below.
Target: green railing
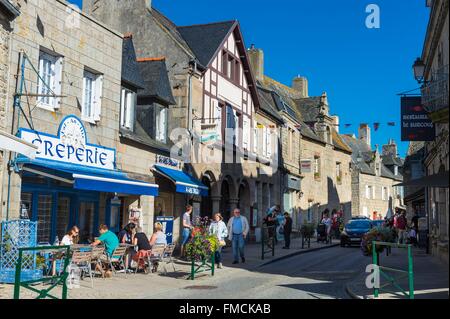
(54, 280)
(383, 271)
(202, 266)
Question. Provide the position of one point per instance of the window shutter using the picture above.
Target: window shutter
(98, 98)
(255, 136)
(123, 102)
(246, 133)
(83, 98)
(129, 109)
(269, 142)
(218, 121)
(264, 142)
(373, 192)
(57, 82)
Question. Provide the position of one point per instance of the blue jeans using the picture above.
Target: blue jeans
(238, 244)
(218, 256)
(186, 234)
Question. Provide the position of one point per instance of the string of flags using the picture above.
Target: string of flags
(376, 125)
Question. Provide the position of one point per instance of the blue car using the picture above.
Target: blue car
(354, 230)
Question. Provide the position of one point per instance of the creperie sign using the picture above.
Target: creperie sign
(70, 146)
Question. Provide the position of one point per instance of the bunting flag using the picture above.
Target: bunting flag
(391, 124)
(347, 125)
(376, 126)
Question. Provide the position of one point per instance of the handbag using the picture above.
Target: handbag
(222, 243)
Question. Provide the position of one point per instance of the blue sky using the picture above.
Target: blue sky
(361, 69)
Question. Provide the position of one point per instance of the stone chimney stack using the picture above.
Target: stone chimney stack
(335, 122)
(256, 57)
(300, 84)
(116, 13)
(390, 148)
(364, 134)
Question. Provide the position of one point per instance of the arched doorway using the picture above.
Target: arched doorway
(225, 207)
(244, 198)
(206, 204)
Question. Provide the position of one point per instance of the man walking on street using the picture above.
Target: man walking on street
(287, 230)
(238, 229)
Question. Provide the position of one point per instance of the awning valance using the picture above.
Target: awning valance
(15, 144)
(184, 182)
(439, 180)
(85, 178)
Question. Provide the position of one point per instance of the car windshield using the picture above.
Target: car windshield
(358, 224)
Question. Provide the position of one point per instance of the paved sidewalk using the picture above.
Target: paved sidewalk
(140, 286)
(431, 280)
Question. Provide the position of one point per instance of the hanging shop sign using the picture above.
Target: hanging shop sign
(306, 165)
(416, 125)
(70, 145)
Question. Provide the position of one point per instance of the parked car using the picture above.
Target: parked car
(354, 230)
(360, 217)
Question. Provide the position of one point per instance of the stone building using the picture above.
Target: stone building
(215, 93)
(435, 93)
(309, 133)
(8, 13)
(374, 176)
(70, 98)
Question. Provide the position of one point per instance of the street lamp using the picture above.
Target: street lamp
(419, 70)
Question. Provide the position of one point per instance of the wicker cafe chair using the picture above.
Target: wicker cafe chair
(81, 260)
(167, 257)
(157, 255)
(117, 259)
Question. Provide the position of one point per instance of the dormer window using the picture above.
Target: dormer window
(395, 170)
(127, 108)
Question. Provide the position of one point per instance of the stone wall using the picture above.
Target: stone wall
(325, 191)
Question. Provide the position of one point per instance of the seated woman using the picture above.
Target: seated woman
(158, 238)
(70, 237)
(142, 244)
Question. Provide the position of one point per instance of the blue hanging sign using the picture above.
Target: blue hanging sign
(167, 223)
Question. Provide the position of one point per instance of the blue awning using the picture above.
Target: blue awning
(184, 182)
(87, 178)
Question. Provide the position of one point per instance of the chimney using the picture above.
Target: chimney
(256, 57)
(300, 84)
(116, 14)
(335, 120)
(390, 148)
(364, 134)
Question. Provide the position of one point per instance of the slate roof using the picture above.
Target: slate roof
(170, 27)
(9, 8)
(130, 68)
(308, 108)
(141, 136)
(266, 104)
(392, 160)
(205, 39)
(157, 84)
(363, 157)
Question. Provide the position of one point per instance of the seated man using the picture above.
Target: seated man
(110, 240)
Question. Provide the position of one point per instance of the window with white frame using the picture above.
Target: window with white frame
(127, 108)
(369, 191)
(246, 133)
(316, 167)
(384, 193)
(255, 137)
(49, 81)
(161, 124)
(395, 170)
(92, 93)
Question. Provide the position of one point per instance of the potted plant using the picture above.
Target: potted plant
(376, 234)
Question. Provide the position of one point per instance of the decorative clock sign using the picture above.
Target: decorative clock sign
(70, 145)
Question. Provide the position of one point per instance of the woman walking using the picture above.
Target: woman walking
(219, 229)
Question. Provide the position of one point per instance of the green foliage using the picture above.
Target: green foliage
(383, 234)
(307, 230)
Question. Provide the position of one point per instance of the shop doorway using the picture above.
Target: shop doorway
(225, 207)
(206, 203)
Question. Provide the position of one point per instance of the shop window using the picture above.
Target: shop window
(92, 91)
(44, 219)
(86, 221)
(127, 108)
(62, 220)
(49, 81)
